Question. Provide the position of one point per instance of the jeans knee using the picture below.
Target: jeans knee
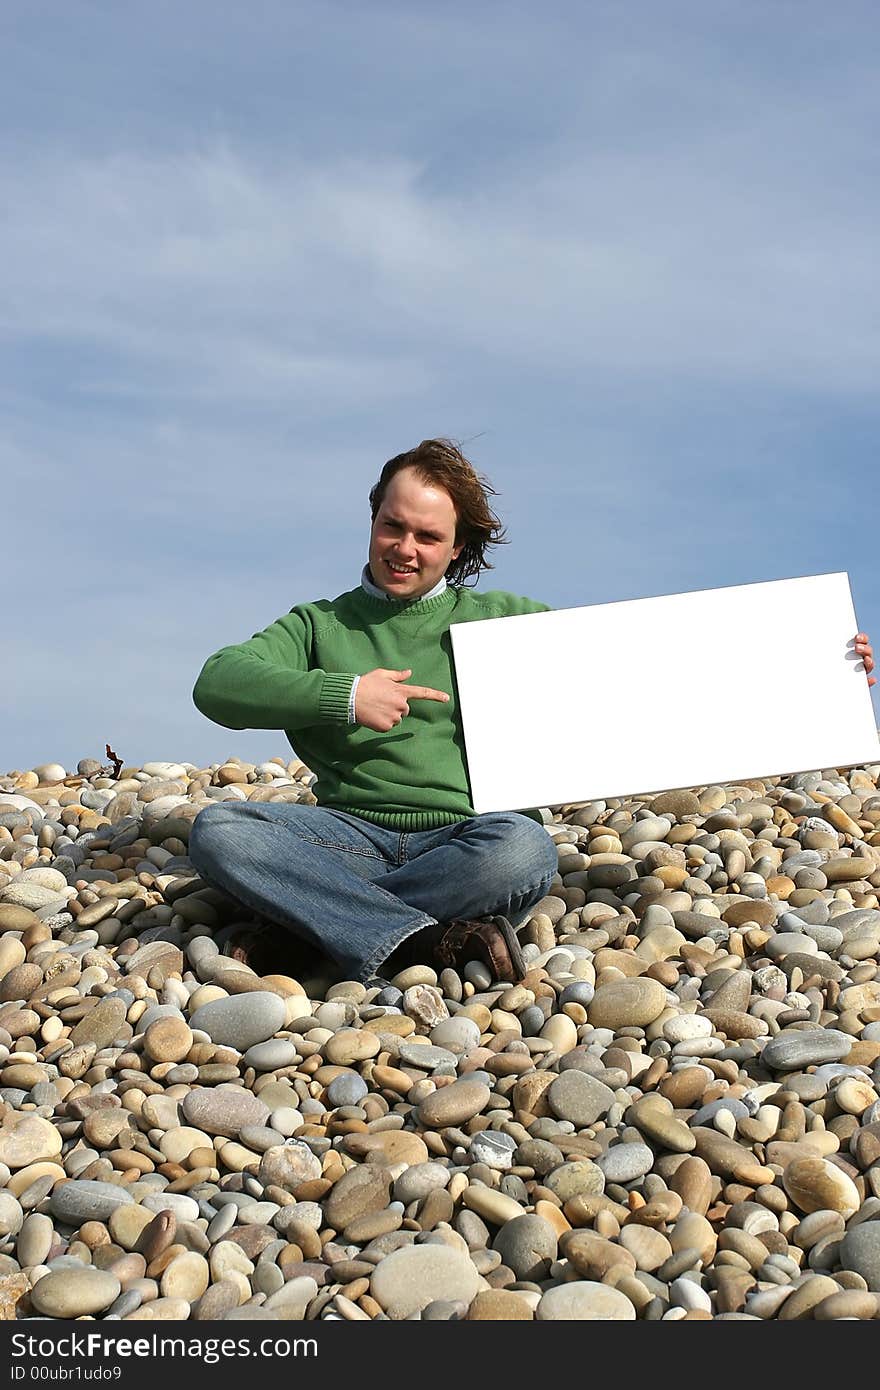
(525, 847)
(209, 831)
(532, 840)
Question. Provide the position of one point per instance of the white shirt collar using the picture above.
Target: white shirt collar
(375, 592)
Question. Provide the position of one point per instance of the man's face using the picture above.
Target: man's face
(412, 539)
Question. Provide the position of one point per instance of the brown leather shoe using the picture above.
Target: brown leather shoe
(489, 939)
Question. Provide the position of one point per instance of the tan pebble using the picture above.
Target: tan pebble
(240, 1283)
(19, 1182)
(289, 989)
(658, 1210)
(582, 1210)
(517, 997)
(499, 1305)
(453, 1105)
(502, 1021)
(371, 1225)
(389, 1146)
(160, 1262)
(159, 1111)
(848, 1303)
(684, 1088)
(855, 1094)
(817, 1184)
(205, 994)
(529, 1093)
(661, 944)
(487, 1202)
(103, 1127)
(730, 1159)
(508, 1064)
(158, 1236)
(392, 1079)
(52, 1030)
(227, 1257)
(458, 1185)
(332, 1165)
(859, 997)
(561, 1031)
(126, 1159)
(347, 1308)
(75, 1063)
(177, 1144)
(397, 1025)
(607, 1225)
(93, 1234)
(127, 1222)
(748, 1247)
(553, 1215)
(616, 962)
(632, 1287)
(369, 1306)
(748, 911)
(128, 1268)
(200, 1158)
(593, 1256)
(19, 1023)
(692, 1231)
(230, 773)
(414, 975)
(237, 1159)
(26, 1139)
(653, 1116)
(781, 885)
(161, 1310)
(168, 1040)
(648, 1247)
(848, 870)
(735, 1024)
(603, 843)
(12, 952)
(20, 981)
(351, 1045)
(800, 1304)
(481, 1016)
(863, 1054)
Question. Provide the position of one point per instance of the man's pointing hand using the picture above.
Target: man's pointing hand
(382, 700)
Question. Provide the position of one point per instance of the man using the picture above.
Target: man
(392, 862)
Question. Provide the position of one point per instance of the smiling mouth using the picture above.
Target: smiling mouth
(400, 569)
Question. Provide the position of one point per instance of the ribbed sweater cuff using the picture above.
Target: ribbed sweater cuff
(334, 698)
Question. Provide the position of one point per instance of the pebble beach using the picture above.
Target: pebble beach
(674, 1116)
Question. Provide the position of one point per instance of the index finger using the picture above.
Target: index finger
(424, 692)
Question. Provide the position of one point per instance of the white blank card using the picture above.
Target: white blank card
(652, 694)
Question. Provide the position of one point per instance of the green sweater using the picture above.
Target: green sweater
(297, 675)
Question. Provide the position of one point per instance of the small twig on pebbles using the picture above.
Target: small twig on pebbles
(117, 761)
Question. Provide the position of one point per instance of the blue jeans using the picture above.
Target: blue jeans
(357, 890)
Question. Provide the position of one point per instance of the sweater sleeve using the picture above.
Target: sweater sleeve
(504, 605)
(267, 682)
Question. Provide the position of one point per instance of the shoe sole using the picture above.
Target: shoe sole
(514, 949)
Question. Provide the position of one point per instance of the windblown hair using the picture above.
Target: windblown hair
(440, 463)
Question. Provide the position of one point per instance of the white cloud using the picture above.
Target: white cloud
(204, 276)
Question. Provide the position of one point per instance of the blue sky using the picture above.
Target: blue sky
(625, 251)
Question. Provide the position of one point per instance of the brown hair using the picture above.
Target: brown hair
(440, 463)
